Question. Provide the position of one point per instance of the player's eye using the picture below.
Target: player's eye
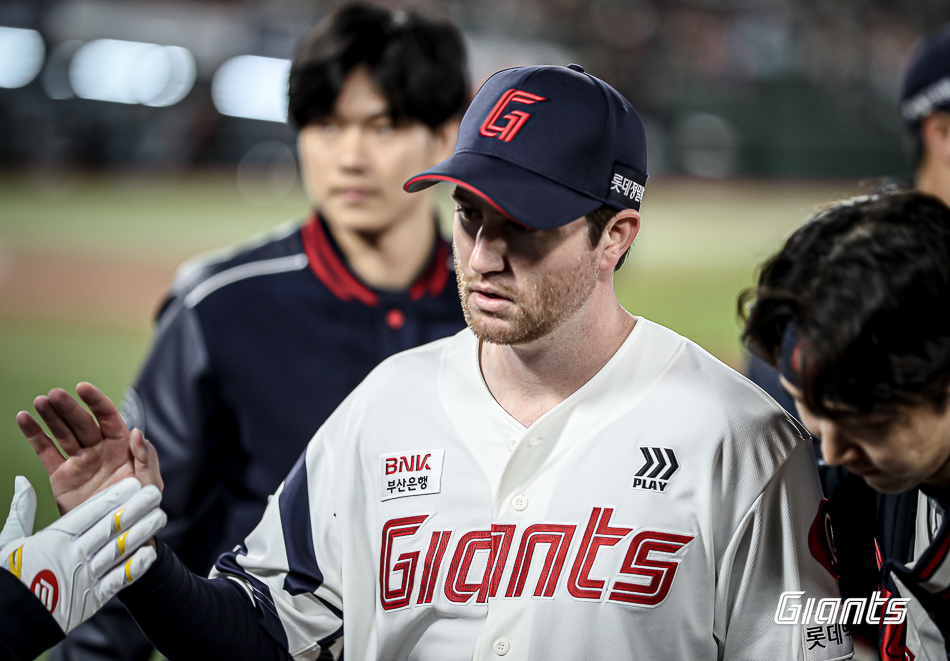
(382, 127)
(326, 125)
(466, 214)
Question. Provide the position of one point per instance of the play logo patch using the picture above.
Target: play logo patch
(659, 465)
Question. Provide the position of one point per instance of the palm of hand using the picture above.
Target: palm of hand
(99, 450)
(89, 470)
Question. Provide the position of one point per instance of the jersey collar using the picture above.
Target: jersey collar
(331, 269)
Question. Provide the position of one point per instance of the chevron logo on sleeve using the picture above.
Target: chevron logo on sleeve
(658, 467)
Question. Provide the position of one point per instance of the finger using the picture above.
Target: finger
(98, 512)
(104, 530)
(146, 460)
(58, 427)
(22, 512)
(125, 574)
(82, 425)
(117, 550)
(106, 412)
(49, 455)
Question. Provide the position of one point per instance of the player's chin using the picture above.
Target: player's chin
(488, 327)
(365, 216)
(888, 482)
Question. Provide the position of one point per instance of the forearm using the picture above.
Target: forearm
(109, 635)
(186, 616)
(26, 627)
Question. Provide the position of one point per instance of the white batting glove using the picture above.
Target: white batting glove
(76, 564)
(22, 512)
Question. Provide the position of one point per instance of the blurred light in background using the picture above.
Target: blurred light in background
(267, 173)
(21, 56)
(132, 72)
(252, 87)
(708, 146)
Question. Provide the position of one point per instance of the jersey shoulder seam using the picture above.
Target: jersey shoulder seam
(242, 272)
(200, 267)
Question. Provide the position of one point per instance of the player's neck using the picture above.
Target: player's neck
(934, 178)
(528, 380)
(392, 258)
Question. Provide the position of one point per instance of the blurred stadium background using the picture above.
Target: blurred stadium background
(134, 134)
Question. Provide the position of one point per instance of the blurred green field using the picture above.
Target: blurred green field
(83, 261)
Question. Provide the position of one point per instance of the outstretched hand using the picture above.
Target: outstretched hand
(100, 450)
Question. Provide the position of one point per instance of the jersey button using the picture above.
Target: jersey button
(395, 318)
(501, 646)
(520, 503)
(512, 444)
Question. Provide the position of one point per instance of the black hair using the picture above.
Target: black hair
(419, 64)
(867, 283)
(596, 224)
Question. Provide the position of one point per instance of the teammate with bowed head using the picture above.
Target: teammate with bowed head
(870, 524)
(851, 311)
(254, 348)
(925, 106)
(561, 480)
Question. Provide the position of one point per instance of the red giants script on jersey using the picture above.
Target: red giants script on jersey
(644, 578)
(516, 118)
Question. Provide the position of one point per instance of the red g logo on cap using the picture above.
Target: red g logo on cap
(516, 118)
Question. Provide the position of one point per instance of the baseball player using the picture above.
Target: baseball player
(560, 480)
(55, 579)
(869, 523)
(849, 311)
(254, 348)
(925, 106)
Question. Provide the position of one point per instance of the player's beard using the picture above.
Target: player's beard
(542, 305)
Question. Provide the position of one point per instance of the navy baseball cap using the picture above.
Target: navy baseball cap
(546, 145)
(927, 79)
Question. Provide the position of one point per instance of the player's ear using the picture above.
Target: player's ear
(446, 135)
(935, 131)
(619, 234)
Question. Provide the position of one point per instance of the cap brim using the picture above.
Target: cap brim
(527, 197)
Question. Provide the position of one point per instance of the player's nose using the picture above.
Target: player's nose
(836, 446)
(352, 148)
(488, 252)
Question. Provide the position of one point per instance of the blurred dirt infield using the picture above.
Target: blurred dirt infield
(59, 286)
(102, 249)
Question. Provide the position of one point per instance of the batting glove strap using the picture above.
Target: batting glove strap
(76, 564)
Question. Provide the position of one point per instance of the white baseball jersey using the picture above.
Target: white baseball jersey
(656, 513)
(930, 572)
